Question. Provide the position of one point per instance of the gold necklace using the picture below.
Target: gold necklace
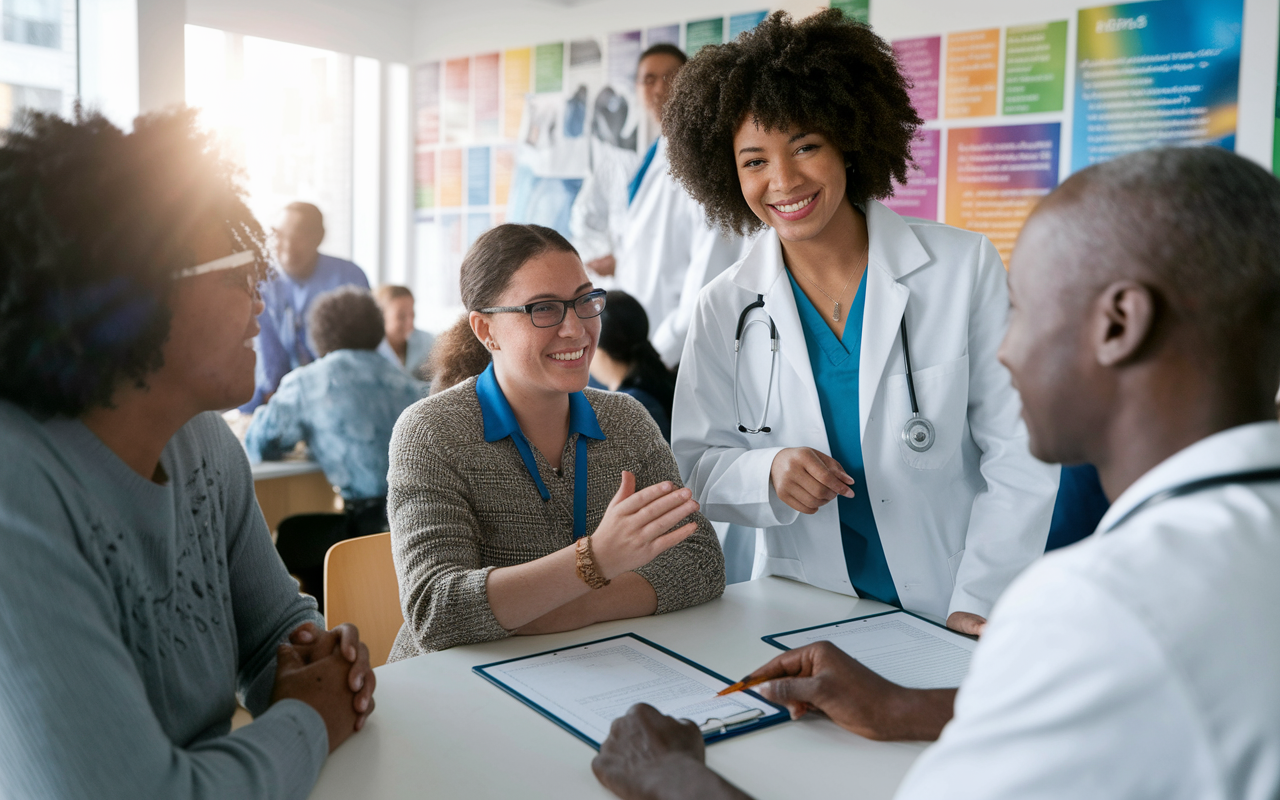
(835, 315)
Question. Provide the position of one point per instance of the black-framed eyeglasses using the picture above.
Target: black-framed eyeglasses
(550, 313)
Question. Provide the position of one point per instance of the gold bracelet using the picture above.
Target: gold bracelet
(587, 565)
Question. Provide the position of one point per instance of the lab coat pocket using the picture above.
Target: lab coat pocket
(942, 392)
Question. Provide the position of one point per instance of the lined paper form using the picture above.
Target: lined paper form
(589, 686)
(905, 649)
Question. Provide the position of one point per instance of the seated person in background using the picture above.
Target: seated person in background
(344, 406)
(139, 592)
(626, 362)
(403, 345)
(1142, 662)
(522, 502)
(304, 275)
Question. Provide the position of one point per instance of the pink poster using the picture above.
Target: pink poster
(920, 61)
(918, 197)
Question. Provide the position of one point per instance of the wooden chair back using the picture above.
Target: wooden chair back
(360, 587)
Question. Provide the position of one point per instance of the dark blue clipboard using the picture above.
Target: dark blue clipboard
(782, 715)
(773, 637)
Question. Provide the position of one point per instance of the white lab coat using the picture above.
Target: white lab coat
(1139, 663)
(959, 521)
(598, 217)
(669, 252)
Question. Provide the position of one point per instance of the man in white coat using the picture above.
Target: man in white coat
(1142, 662)
(669, 251)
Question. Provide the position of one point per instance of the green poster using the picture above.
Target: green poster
(857, 10)
(698, 35)
(1035, 67)
(548, 67)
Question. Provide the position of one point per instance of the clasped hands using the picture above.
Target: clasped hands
(329, 671)
(649, 755)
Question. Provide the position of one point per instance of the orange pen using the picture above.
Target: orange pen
(745, 683)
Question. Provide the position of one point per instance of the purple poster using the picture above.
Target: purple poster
(920, 61)
(918, 197)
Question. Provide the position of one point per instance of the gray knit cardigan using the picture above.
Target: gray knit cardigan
(460, 507)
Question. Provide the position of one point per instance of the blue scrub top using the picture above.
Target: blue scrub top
(835, 373)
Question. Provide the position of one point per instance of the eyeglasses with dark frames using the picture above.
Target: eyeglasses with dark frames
(550, 313)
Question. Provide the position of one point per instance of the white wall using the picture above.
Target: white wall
(444, 29)
(381, 29)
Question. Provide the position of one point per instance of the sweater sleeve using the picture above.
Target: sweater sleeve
(692, 572)
(435, 541)
(75, 719)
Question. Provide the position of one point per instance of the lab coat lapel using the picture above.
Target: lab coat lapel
(894, 251)
(762, 272)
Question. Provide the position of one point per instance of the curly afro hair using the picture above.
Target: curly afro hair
(346, 318)
(94, 225)
(823, 74)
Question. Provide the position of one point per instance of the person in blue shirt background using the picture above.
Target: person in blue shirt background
(303, 274)
(344, 406)
(626, 362)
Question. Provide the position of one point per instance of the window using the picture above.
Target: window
(34, 22)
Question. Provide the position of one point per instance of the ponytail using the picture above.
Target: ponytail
(457, 355)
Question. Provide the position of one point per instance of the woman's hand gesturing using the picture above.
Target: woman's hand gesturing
(807, 479)
(638, 526)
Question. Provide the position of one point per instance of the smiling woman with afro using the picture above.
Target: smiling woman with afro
(793, 410)
(823, 74)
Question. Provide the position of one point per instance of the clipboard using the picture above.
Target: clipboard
(588, 726)
(941, 663)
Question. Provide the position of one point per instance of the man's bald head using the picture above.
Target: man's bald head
(298, 237)
(1142, 282)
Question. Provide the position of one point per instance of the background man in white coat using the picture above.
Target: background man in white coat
(1142, 662)
(669, 251)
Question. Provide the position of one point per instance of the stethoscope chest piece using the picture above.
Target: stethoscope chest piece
(918, 434)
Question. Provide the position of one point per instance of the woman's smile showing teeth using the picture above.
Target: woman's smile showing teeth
(794, 209)
(570, 356)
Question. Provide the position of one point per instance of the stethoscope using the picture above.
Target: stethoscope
(1203, 484)
(918, 433)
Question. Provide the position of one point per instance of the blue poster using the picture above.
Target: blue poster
(1162, 72)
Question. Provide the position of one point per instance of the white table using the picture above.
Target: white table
(440, 731)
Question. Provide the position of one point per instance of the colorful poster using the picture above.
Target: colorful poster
(858, 10)
(701, 33)
(424, 178)
(426, 87)
(918, 197)
(1035, 67)
(741, 23)
(665, 34)
(995, 176)
(516, 75)
(624, 52)
(504, 163)
(486, 72)
(973, 63)
(449, 178)
(921, 62)
(1156, 73)
(548, 67)
(457, 100)
(478, 176)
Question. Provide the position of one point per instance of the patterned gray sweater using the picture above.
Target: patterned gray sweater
(460, 507)
(131, 615)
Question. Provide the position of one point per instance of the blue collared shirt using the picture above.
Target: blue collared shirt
(283, 344)
(500, 422)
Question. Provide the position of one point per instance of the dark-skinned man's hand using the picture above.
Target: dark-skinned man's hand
(650, 756)
(822, 677)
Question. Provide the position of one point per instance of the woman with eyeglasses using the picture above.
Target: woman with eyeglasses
(522, 502)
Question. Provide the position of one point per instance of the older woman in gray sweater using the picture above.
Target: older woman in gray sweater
(522, 502)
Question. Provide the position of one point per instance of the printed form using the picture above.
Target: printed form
(589, 686)
(907, 650)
